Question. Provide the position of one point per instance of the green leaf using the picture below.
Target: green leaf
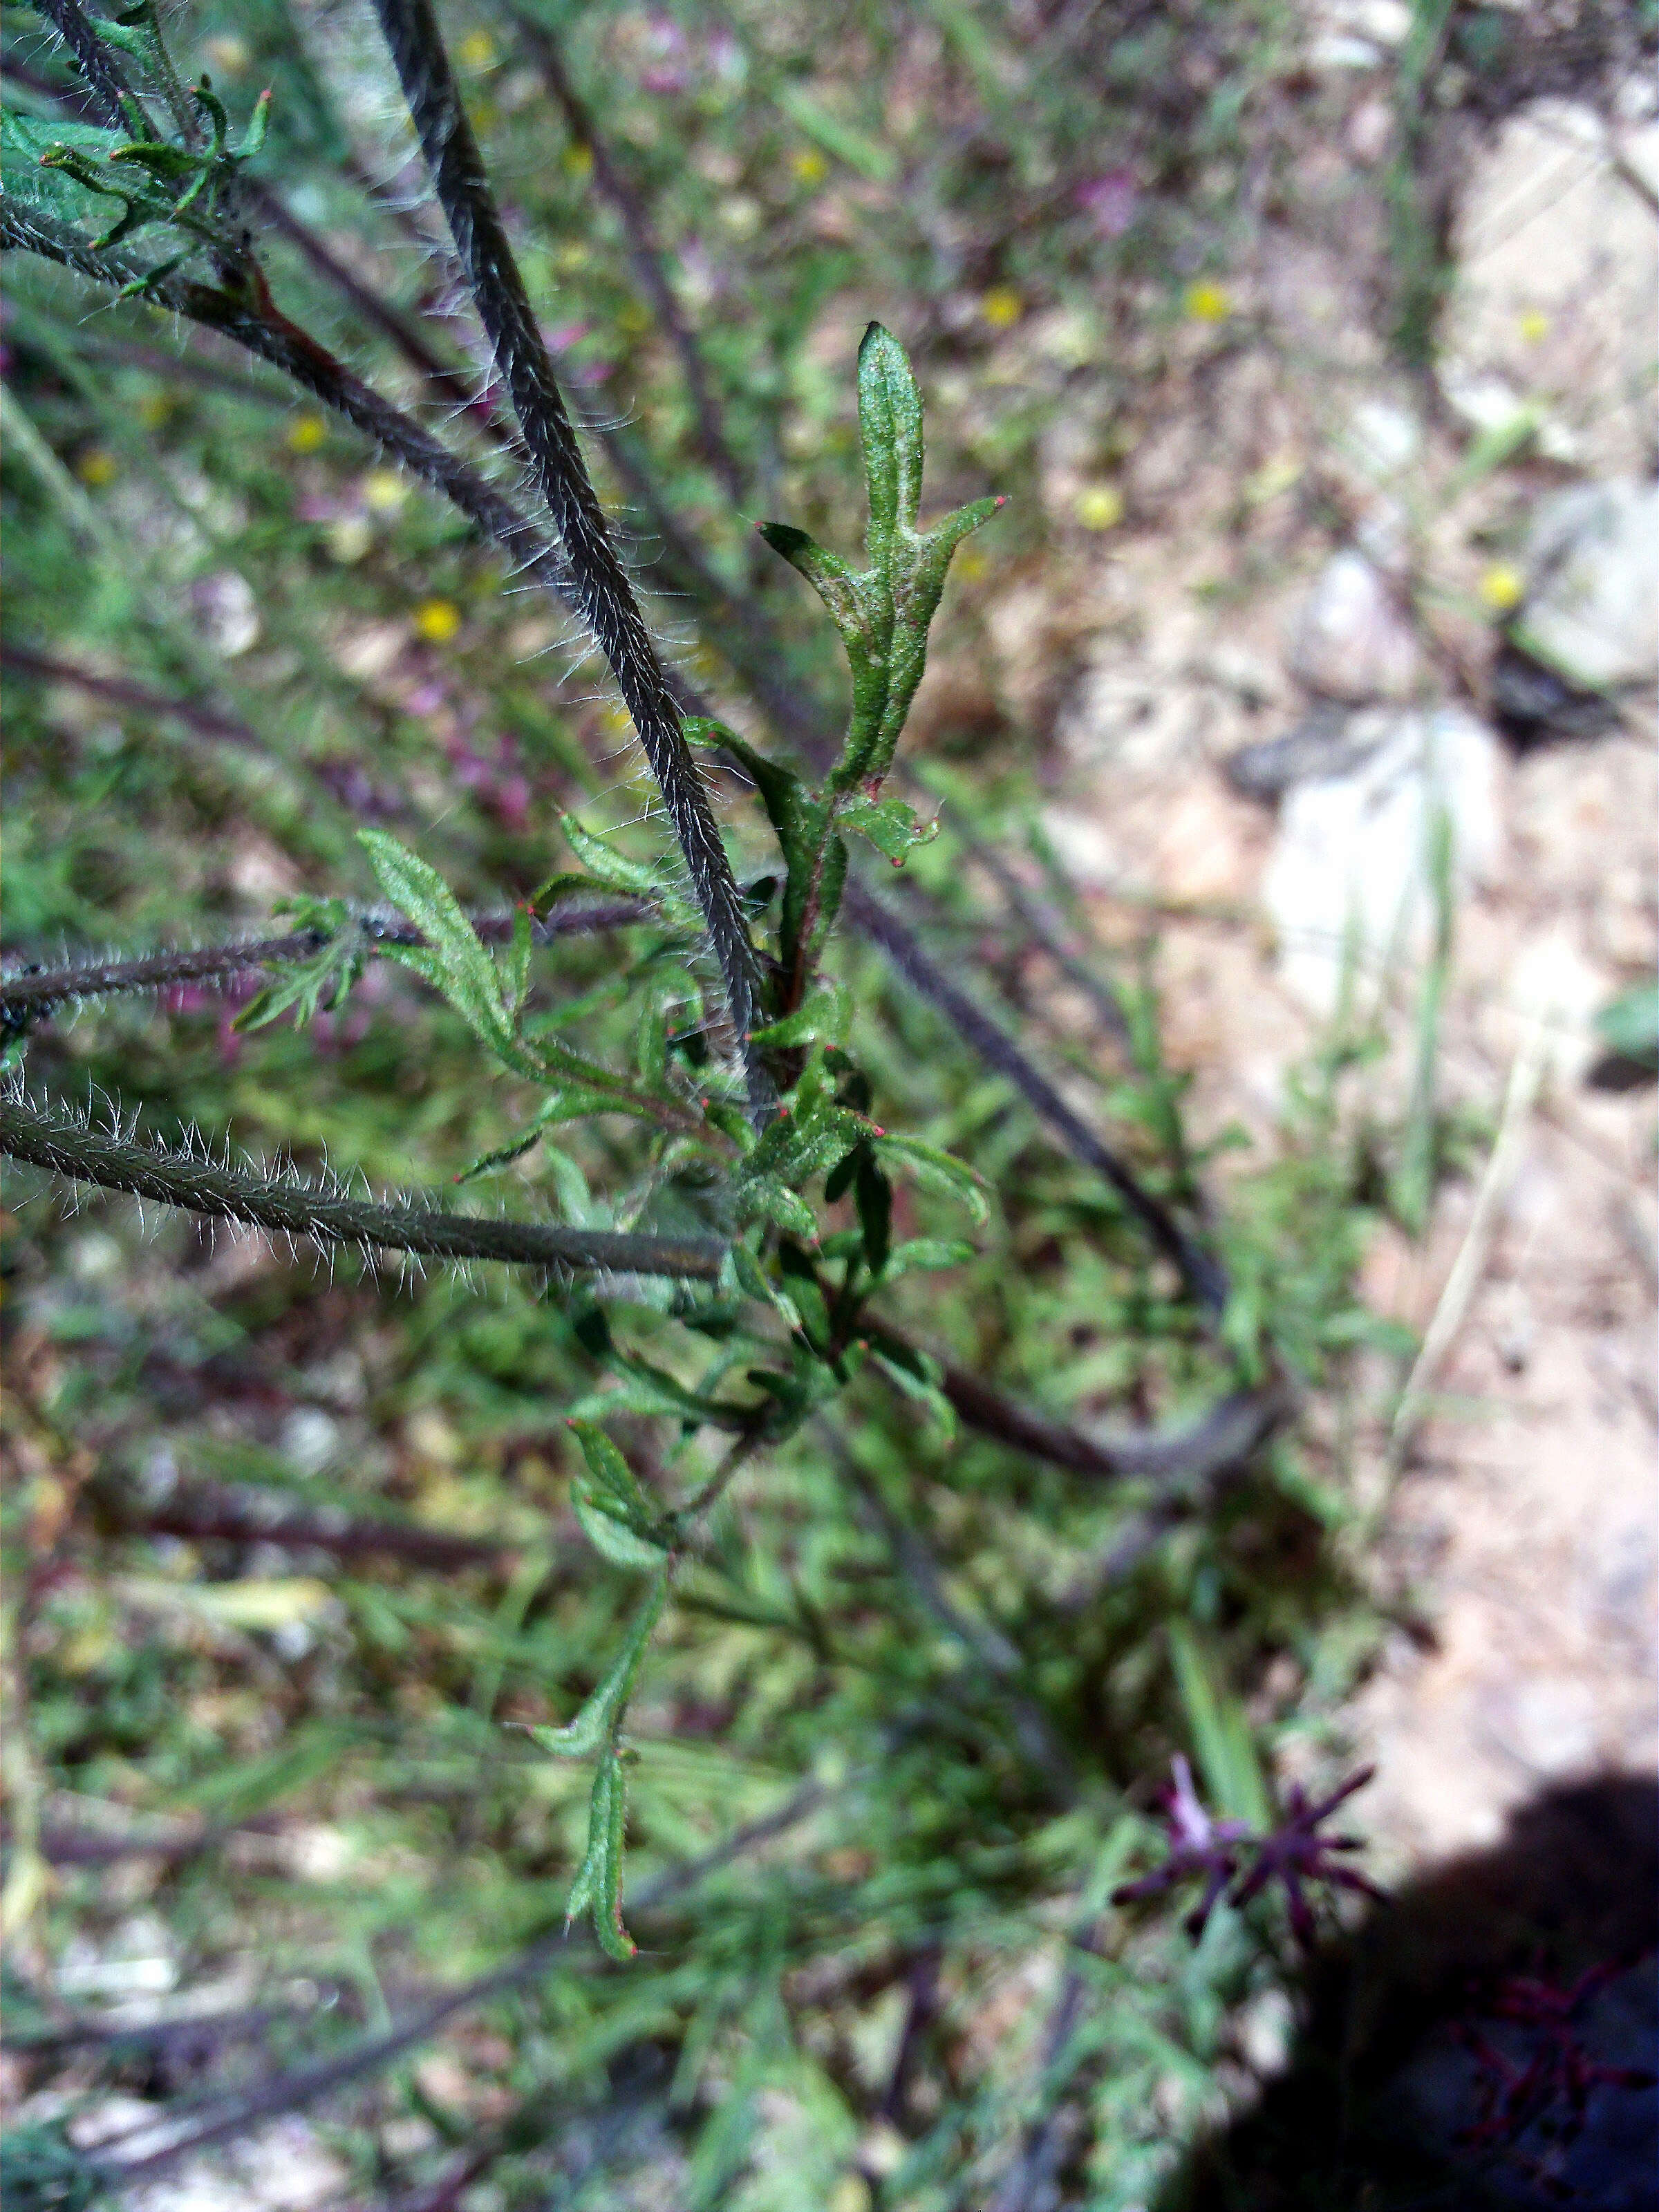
(936, 1170)
(611, 868)
(601, 1713)
(25, 142)
(890, 826)
(612, 1538)
(884, 613)
(597, 1889)
(826, 1015)
(1221, 1734)
(457, 962)
(917, 1376)
(826, 573)
(767, 1195)
(1629, 1024)
(872, 159)
(919, 1253)
(873, 1197)
(889, 425)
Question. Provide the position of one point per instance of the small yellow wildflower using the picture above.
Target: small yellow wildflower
(1271, 478)
(1002, 307)
(1503, 586)
(1208, 302)
(437, 621)
(349, 539)
(477, 49)
(384, 491)
(1100, 507)
(578, 162)
(1534, 325)
(96, 467)
(155, 409)
(307, 433)
(230, 56)
(810, 167)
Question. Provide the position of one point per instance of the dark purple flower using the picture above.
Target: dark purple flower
(1295, 1854)
(1198, 1844)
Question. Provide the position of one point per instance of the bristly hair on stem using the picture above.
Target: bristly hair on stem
(599, 582)
(290, 1208)
(33, 991)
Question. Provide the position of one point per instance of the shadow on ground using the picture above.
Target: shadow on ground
(1373, 2110)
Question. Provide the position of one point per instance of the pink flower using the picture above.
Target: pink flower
(1111, 199)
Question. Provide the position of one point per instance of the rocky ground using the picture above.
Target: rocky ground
(1313, 631)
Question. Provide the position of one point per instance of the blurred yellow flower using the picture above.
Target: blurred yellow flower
(1503, 586)
(477, 49)
(810, 167)
(1208, 302)
(1100, 507)
(384, 491)
(155, 409)
(970, 565)
(437, 621)
(1002, 307)
(228, 55)
(1271, 478)
(349, 539)
(96, 467)
(1534, 324)
(307, 433)
(577, 161)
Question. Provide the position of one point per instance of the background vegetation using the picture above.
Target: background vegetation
(293, 1559)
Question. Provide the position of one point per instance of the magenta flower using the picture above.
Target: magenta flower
(1294, 1854)
(1198, 1844)
(1110, 201)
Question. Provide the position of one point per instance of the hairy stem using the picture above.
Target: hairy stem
(289, 1208)
(598, 582)
(105, 85)
(493, 515)
(37, 990)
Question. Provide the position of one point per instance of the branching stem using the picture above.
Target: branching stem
(37, 991)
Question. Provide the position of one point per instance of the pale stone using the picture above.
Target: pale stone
(1591, 611)
(1349, 885)
(1556, 293)
(1351, 640)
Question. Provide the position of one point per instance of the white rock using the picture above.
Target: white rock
(309, 1439)
(1556, 292)
(1351, 640)
(1349, 885)
(1592, 607)
(1382, 438)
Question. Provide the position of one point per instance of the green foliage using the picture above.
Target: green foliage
(883, 612)
(710, 1630)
